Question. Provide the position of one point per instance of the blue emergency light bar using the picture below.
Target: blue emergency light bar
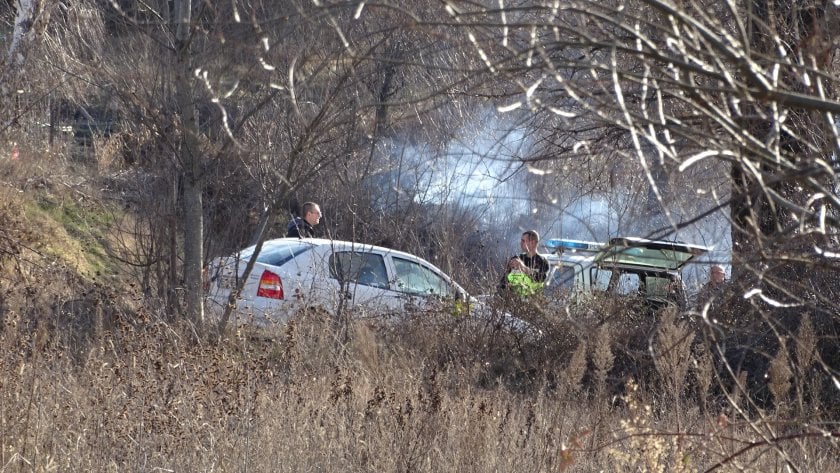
(555, 244)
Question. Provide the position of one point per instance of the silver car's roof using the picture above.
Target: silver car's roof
(336, 244)
(339, 245)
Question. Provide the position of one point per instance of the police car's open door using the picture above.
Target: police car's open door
(655, 254)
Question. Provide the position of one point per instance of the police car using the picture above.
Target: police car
(649, 269)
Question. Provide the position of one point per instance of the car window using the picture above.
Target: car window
(414, 278)
(659, 286)
(562, 282)
(665, 287)
(367, 269)
(629, 283)
(563, 278)
(626, 283)
(600, 278)
(281, 254)
(616, 282)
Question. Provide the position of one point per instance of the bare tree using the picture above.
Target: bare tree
(30, 19)
(654, 86)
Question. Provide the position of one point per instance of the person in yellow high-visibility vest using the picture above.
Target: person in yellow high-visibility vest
(526, 272)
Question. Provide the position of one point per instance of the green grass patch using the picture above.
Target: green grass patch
(74, 232)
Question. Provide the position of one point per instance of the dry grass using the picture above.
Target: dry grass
(418, 396)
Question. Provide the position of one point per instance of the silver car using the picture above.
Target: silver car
(291, 273)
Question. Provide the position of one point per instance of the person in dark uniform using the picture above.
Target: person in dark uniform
(713, 289)
(304, 227)
(526, 273)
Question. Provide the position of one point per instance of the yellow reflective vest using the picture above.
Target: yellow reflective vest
(522, 284)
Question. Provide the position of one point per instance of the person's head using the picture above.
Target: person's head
(311, 213)
(717, 274)
(529, 241)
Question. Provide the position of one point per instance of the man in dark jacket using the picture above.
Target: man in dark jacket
(712, 291)
(526, 273)
(304, 227)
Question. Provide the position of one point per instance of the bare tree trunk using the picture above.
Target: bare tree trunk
(191, 174)
(23, 24)
(173, 303)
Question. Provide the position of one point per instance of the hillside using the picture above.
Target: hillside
(58, 227)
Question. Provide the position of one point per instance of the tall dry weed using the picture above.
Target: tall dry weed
(108, 151)
(672, 355)
(781, 376)
(703, 370)
(807, 390)
(602, 356)
(576, 368)
(806, 344)
(641, 446)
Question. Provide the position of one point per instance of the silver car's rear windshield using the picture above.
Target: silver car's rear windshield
(277, 254)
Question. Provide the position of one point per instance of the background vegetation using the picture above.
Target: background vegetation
(138, 140)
